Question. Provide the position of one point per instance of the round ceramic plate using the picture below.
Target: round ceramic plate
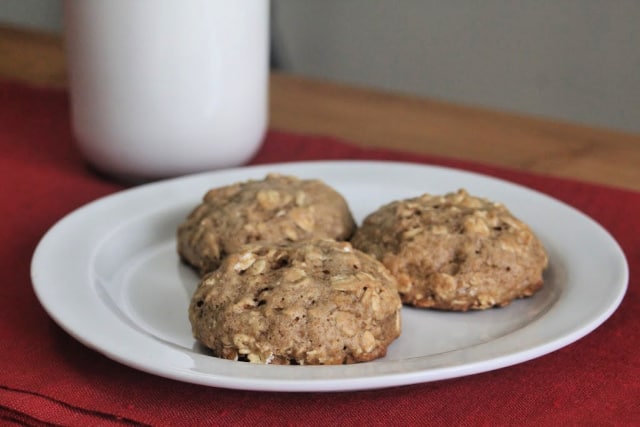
(109, 274)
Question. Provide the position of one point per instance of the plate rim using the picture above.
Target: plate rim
(289, 384)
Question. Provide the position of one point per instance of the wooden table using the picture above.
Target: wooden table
(375, 118)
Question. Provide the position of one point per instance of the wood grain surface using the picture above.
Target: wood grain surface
(374, 118)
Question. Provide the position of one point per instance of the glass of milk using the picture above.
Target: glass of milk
(161, 88)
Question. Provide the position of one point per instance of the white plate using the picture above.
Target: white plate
(109, 275)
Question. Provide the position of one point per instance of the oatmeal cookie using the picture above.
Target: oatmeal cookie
(314, 302)
(278, 208)
(454, 252)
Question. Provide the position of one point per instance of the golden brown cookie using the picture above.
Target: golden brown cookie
(278, 209)
(454, 252)
(314, 302)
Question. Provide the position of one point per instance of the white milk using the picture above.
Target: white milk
(166, 87)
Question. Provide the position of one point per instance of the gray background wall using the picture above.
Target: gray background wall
(573, 60)
(40, 14)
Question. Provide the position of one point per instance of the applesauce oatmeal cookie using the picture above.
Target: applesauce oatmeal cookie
(312, 302)
(278, 208)
(454, 251)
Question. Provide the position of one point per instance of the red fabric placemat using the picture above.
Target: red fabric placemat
(47, 377)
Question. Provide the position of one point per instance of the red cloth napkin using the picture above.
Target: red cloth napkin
(47, 377)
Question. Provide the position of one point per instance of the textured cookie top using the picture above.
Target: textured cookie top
(454, 251)
(312, 302)
(278, 209)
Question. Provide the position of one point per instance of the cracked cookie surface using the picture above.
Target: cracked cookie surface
(316, 302)
(454, 251)
(278, 208)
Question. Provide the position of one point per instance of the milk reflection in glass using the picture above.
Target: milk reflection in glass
(165, 87)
